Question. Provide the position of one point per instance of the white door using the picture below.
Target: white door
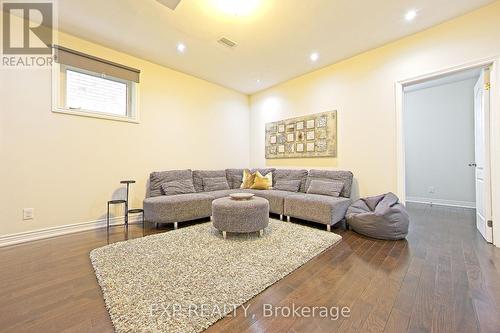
(482, 158)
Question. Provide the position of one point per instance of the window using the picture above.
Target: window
(89, 86)
(95, 94)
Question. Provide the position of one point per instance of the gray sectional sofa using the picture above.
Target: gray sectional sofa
(324, 209)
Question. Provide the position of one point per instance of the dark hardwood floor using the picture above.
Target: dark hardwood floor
(443, 278)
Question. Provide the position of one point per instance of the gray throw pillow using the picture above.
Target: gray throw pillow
(215, 184)
(326, 187)
(182, 186)
(291, 185)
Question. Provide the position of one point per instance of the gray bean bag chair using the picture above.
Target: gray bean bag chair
(381, 217)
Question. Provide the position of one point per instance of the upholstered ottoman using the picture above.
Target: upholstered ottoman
(240, 216)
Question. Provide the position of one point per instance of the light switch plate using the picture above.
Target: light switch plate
(28, 213)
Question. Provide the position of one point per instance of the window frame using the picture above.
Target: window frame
(59, 104)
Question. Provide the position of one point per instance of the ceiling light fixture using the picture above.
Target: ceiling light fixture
(410, 15)
(314, 56)
(181, 47)
(172, 4)
(237, 7)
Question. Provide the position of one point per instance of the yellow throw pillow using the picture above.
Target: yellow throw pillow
(248, 179)
(262, 182)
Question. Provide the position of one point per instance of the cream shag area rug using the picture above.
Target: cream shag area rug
(187, 279)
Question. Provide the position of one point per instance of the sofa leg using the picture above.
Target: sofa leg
(288, 218)
(211, 218)
(261, 233)
(328, 228)
(281, 217)
(156, 225)
(224, 234)
(176, 225)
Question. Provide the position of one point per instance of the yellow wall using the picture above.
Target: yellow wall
(362, 89)
(67, 167)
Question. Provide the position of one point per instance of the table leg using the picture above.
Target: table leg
(107, 219)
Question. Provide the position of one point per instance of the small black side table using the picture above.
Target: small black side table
(128, 182)
(137, 211)
(131, 211)
(114, 202)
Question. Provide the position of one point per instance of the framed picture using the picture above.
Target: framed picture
(309, 136)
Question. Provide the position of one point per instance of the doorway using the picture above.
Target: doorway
(445, 127)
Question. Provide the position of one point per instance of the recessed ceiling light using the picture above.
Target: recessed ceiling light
(410, 15)
(181, 47)
(314, 56)
(258, 80)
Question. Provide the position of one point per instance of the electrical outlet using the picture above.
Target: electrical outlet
(28, 213)
(431, 189)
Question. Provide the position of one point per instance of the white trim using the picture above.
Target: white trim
(495, 149)
(441, 202)
(494, 130)
(400, 148)
(28, 236)
(89, 114)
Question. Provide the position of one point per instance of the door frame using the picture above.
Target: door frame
(494, 152)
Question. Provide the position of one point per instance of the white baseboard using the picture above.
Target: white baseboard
(28, 236)
(441, 202)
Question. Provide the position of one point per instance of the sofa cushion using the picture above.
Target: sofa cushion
(177, 208)
(234, 177)
(215, 184)
(248, 179)
(262, 182)
(291, 174)
(158, 178)
(317, 208)
(326, 187)
(198, 176)
(182, 186)
(275, 197)
(292, 185)
(345, 176)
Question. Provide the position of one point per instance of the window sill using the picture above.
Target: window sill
(89, 114)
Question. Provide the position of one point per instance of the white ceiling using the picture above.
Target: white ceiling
(274, 43)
